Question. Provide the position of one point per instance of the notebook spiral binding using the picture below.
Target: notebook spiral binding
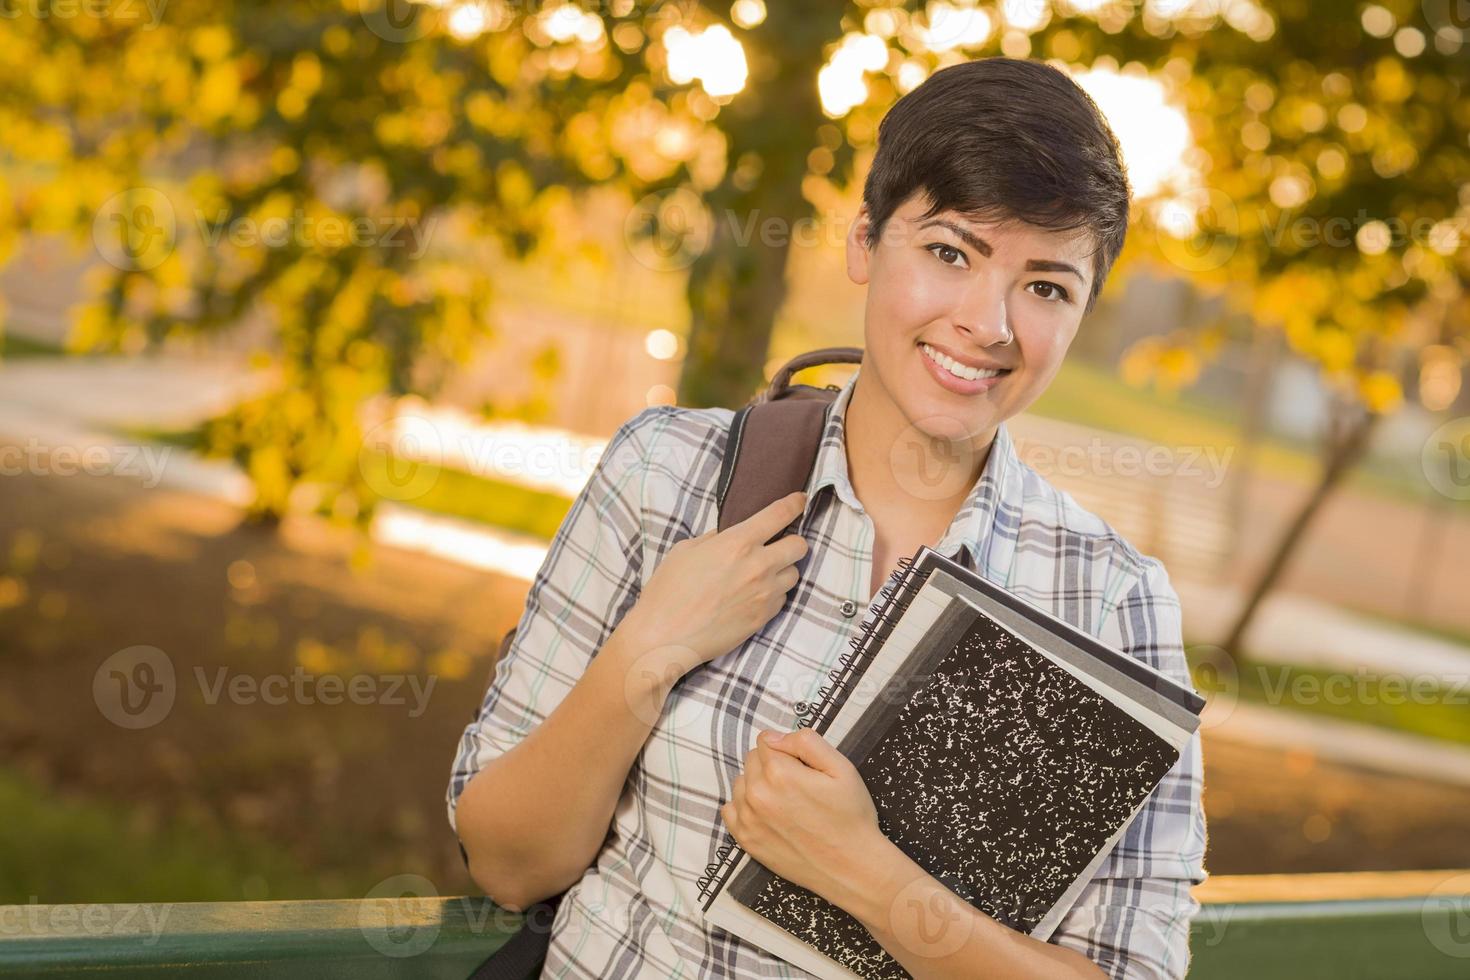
(892, 600)
(895, 598)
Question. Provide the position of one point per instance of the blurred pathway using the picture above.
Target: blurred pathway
(77, 405)
(1299, 629)
(163, 393)
(78, 402)
(1361, 746)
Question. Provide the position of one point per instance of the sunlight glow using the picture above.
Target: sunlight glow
(1246, 16)
(467, 21)
(1153, 134)
(954, 26)
(569, 22)
(537, 457)
(748, 13)
(1025, 15)
(661, 344)
(464, 542)
(840, 83)
(713, 56)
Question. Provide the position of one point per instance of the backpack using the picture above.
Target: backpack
(770, 450)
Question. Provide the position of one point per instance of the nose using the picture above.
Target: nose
(980, 313)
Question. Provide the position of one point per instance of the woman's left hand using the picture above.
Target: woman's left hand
(801, 809)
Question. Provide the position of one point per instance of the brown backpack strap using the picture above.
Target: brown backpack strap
(770, 451)
(773, 442)
(771, 448)
(781, 387)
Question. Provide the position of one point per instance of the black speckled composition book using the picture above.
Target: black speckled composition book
(1005, 751)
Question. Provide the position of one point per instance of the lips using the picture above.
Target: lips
(953, 382)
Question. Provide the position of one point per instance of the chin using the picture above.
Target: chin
(939, 418)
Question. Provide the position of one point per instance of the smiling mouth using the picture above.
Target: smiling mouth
(959, 370)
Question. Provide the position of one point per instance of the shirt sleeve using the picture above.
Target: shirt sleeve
(590, 578)
(1133, 918)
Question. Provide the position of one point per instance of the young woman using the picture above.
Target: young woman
(647, 703)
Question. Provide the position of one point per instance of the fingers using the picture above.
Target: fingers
(764, 524)
(753, 764)
(810, 748)
(787, 550)
(763, 761)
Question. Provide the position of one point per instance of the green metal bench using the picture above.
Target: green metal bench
(1404, 938)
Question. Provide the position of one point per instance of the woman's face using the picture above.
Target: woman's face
(951, 286)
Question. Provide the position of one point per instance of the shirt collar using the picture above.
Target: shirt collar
(997, 491)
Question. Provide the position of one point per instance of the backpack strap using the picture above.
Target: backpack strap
(770, 450)
(524, 953)
(773, 442)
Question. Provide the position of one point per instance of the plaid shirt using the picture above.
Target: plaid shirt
(636, 912)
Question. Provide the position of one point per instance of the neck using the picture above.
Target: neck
(893, 462)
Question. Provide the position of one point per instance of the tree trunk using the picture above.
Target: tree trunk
(737, 287)
(1342, 454)
(1260, 371)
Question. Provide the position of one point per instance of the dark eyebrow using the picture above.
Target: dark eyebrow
(983, 247)
(975, 241)
(1047, 265)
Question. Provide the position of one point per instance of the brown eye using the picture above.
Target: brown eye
(1054, 292)
(947, 254)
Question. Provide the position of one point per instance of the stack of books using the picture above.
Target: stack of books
(1005, 751)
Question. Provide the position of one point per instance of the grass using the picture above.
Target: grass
(455, 493)
(17, 347)
(1396, 702)
(1090, 395)
(56, 849)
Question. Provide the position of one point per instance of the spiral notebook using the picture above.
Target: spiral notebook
(1005, 751)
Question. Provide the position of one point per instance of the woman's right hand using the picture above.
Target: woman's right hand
(713, 592)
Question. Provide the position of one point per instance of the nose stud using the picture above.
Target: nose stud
(1005, 321)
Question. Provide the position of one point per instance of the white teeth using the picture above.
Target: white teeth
(955, 368)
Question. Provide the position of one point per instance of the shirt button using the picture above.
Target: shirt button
(849, 609)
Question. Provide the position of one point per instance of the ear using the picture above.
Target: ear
(858, 254)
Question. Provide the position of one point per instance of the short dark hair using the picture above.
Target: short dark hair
(1003, 139)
